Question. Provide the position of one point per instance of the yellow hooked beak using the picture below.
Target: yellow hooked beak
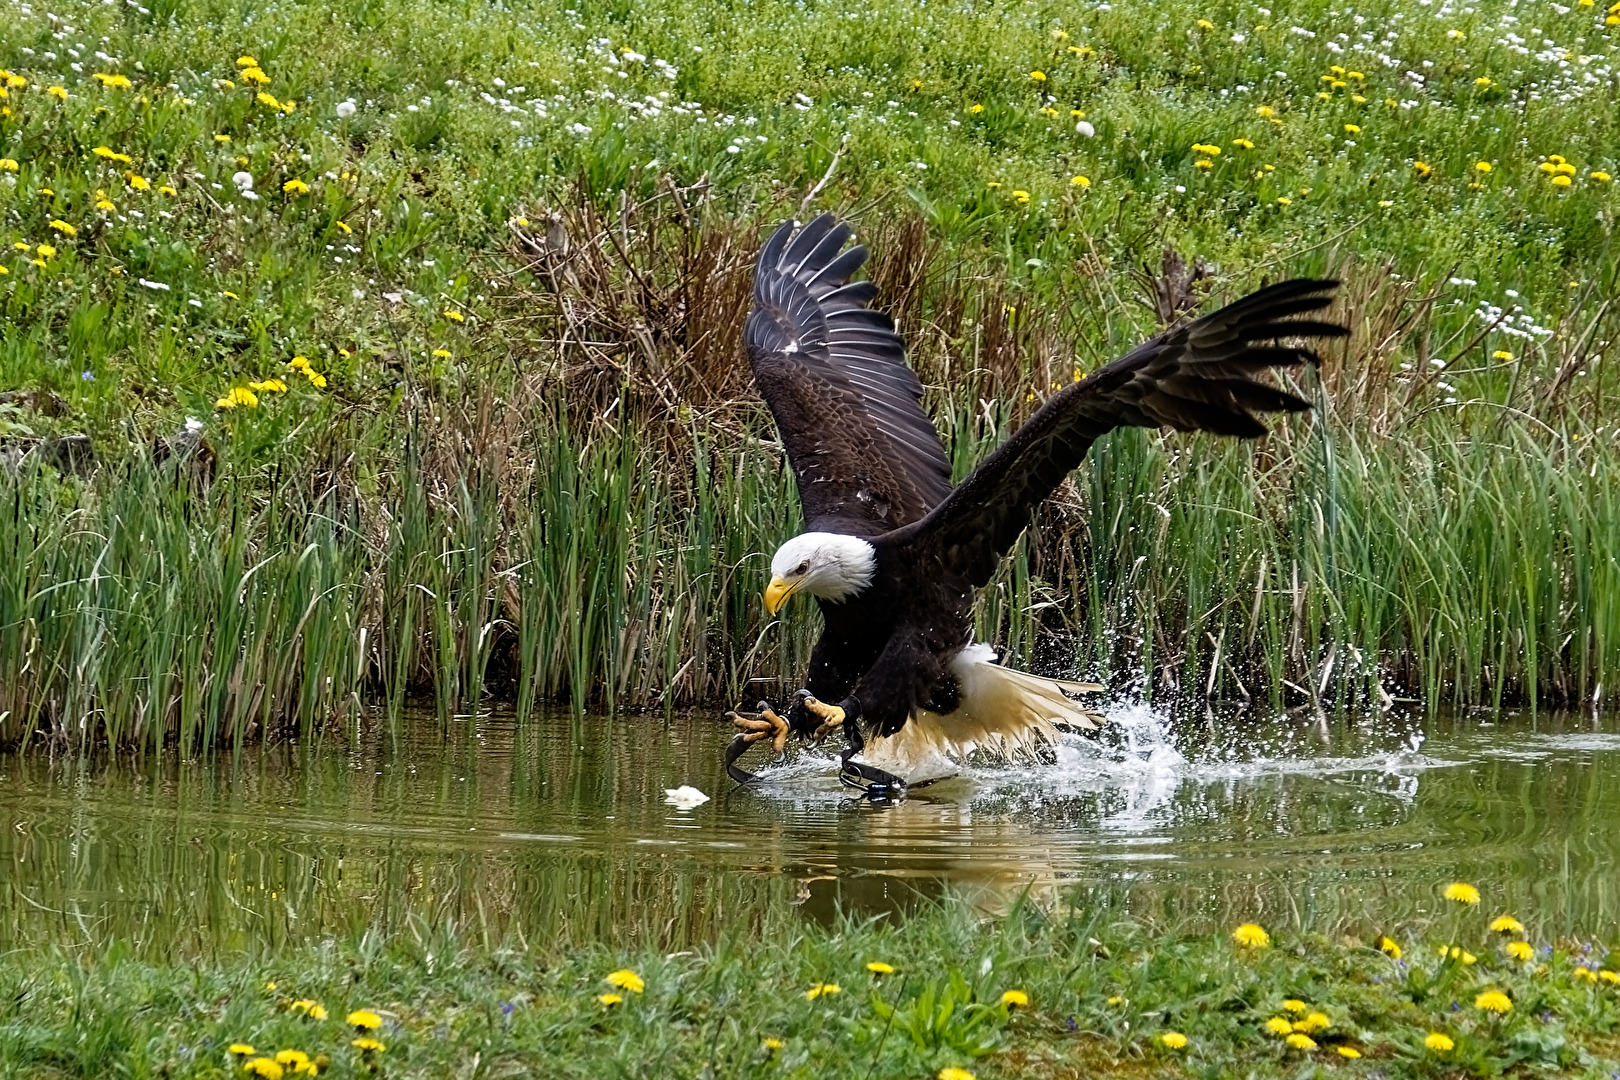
(778, 591)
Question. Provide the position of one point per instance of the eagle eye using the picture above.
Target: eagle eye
(803, 568)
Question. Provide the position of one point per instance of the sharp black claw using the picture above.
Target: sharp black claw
(734, 750)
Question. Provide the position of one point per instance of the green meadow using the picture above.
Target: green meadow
(378, 350)
(1036, 993)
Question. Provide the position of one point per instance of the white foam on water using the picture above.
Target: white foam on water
(1144, 755)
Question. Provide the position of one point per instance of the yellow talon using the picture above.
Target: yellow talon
(832, 717)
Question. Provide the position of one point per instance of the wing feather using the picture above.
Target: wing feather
(1196, 377)
(834, 373)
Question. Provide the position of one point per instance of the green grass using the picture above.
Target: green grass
(1103, 995)
(522, 457)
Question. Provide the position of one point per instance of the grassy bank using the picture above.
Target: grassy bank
(1075, 993)
(452, 294)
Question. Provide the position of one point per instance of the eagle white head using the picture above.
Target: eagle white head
(830, 566)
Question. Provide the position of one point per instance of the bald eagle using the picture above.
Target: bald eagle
(895, 554)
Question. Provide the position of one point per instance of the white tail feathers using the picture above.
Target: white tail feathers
(999, 710)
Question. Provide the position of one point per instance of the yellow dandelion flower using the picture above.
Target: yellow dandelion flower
(1355, 75)
(1313, 1023)
(455, 316)
(265, 98)
(1483, 81)
(822, 990)
(1285, 201)
(241, 395)
(347, 231)
(1358, 99)
(772, 1045)
(1556, 159)
(1482, 166)
(110, 154)
(303, 1004)
(975, 108)
(1243, 144)
(1078, 114)
(316, 1012)
(230, 294)
(1251, 936)
(1038, 76)
(1203, 163)
(1205, 24)
(1520, 950)
(1301, 1042)
(1423, 169)
(64, 228)
(103, 204)
(1507, 924)
(1582, 974)
(1439, 1043)
(8, 165)
(1080, 181)
(1461, 893)
(444, 354)
(255, 76)
(1610, 977)
(246, 61)
(1294, 1006)
(58, 92)
(295, 186)
(1566, 168)
(610, 999)
(241, 1049)
(1348, 1052)
(222, 138)
(625, 979)
(1352, 129)
(263, 1068)
(1265, 111)
(167, 190)
(951, 1072)
(368, 1046)
(364, 1019)
(45, 251)
(877, 967)
(291, 1057)
(1279, 1025)
(1022, 197)
(1455, 35)
(1015, 999)
(1494, 1001)
(1600, 176)
(1173, 1040)
(116, 82)
(139, 183)
(1561, 181)
(276, 386)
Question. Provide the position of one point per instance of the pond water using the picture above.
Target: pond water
(559, 827)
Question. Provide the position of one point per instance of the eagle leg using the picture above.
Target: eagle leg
(754, 727)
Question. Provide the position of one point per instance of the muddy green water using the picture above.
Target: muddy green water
(559, 827)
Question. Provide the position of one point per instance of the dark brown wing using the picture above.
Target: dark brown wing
(834, 374)
(1197, 377)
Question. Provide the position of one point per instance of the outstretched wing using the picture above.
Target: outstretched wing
(1197, 377)
(834, 374)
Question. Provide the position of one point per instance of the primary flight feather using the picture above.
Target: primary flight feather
(894, 553)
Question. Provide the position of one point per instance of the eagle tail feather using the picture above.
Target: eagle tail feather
(999, 711)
